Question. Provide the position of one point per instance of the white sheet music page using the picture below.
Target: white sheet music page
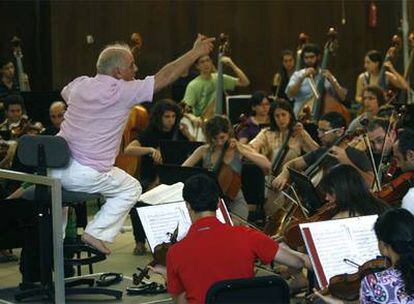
(330, 242)
(161, 219)
(163, 194)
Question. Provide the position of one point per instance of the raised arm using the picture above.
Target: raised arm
(170, 72)
(243, 81)
(194, 158)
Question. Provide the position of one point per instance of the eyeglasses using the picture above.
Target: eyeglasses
(326, 132)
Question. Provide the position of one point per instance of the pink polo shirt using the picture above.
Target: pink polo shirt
(97, 113)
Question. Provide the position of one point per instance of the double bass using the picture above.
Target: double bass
(137, 121)
(18, 55)
(323, 103)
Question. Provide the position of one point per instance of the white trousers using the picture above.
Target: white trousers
(121, 192)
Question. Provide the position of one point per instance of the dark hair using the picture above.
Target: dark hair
(351, 191)
(201, 192)
(396, 228)
(257, 98)
(378, 92)
(158, 110)
(375, 56)
(284, 105)
(4, 61)
(406, 141)
(287, 53)
(335, 119)
(13, 100)
(378, 122)
(216, 125)
(310, 48)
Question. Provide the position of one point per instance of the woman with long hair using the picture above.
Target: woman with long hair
(219, 133)
(269, 141)
(344, 186)
(373, 62)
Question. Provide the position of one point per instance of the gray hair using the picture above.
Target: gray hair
(112, 56)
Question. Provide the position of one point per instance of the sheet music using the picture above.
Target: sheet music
(335, 240)
(161, 219)
(163, 194)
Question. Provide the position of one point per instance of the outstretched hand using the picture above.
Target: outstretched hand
(203, 45)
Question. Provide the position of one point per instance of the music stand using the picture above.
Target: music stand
(175, 152)
(306, 190)
(171, 174)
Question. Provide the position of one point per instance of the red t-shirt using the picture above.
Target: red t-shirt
(212, 252)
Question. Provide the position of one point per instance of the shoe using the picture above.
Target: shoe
(139, 249)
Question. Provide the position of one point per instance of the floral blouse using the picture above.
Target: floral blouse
(384, 287)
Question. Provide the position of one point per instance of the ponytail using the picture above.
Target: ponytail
(405, 263)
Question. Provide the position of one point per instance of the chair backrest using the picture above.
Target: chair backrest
(268, 289)
(43, 151)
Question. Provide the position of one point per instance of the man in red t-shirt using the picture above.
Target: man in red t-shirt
(212, 251)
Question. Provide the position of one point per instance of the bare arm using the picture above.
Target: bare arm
(170, 72)
(135, 149)
(253, 156)
(179, 299)
(359, 88)
(281, 180)
(243, 80)
(194, 158)
(337, 87)
(285, 257)
(395, 78)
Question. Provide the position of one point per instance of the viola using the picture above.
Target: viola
(394, 191)
(160, 258)
(346, 286)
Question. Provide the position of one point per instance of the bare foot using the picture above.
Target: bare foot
(94, 242)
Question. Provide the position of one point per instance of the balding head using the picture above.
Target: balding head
(56, 111)
(114, 59)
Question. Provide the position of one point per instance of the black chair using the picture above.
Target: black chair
(253, 187)
(44, 152)
(268, 289)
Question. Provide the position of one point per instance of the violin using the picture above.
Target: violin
(160, 258)
(346, 286)
(394, 191)
(292, 234)
(25, 126)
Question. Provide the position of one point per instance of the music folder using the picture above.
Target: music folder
(306, 190)
(330, 243)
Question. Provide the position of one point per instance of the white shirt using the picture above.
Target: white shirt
(408, 201)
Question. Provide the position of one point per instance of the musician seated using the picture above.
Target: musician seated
(8, 84)
(373, 98)
(56, 112)
(219, 133)
(200, 93)
(259, 105)
(163, 125)
(345, 187)
(223, 252)
(404, 154)
(282, 77)
(270, 140)
(372, 65)
(300, 84)
(395, 233)
(331, 130)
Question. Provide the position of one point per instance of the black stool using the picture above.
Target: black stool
(44, 152)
